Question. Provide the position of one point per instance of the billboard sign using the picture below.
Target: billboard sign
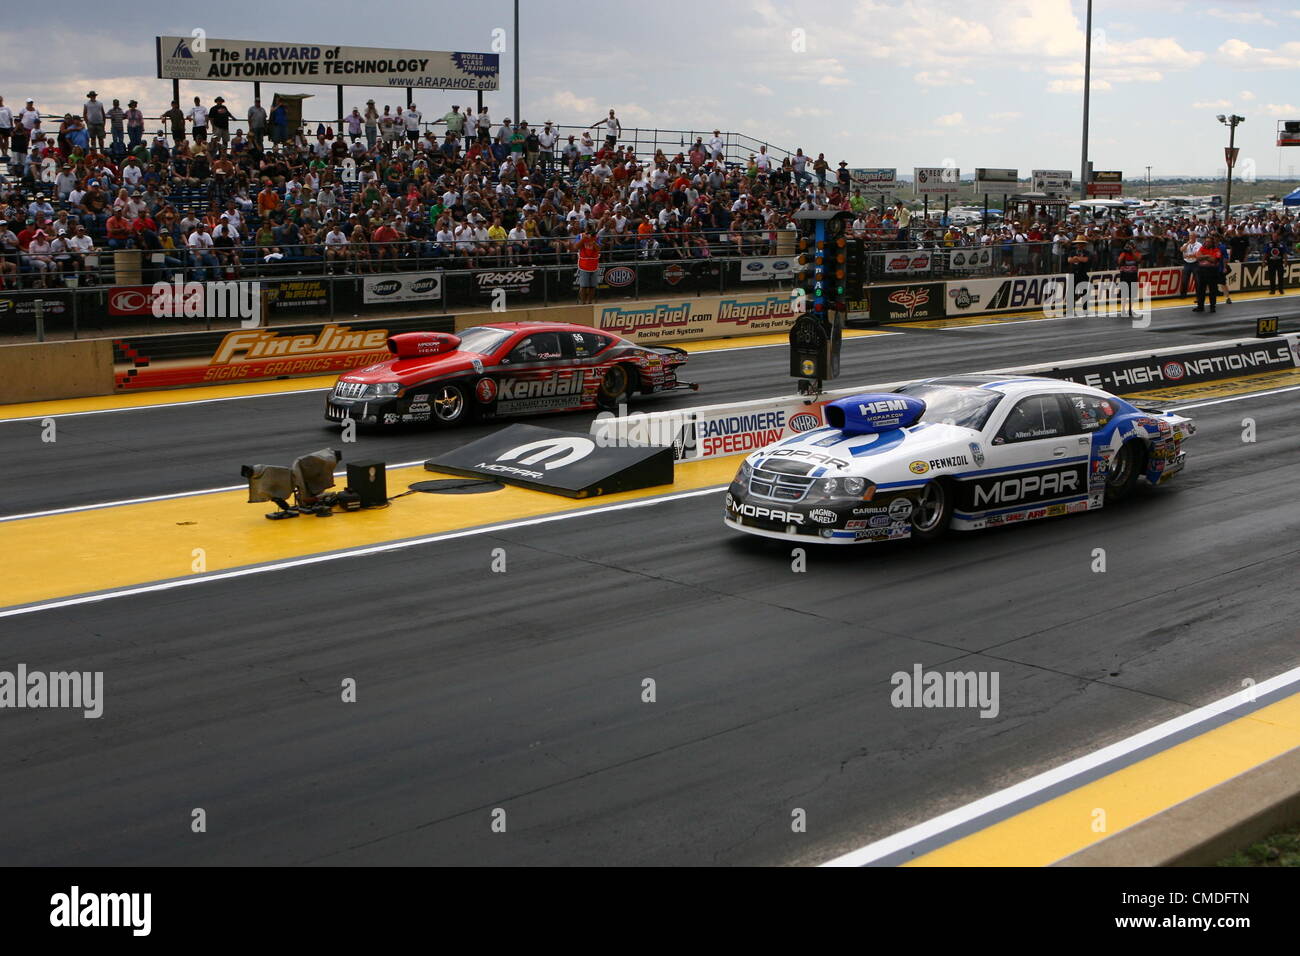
(251, 61)
(936, 180)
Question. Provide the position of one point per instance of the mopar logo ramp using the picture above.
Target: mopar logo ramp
(556, 462)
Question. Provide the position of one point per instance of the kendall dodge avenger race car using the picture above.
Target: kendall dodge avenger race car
(964, 452)
(502, 370)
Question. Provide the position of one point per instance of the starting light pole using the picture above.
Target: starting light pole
(820, 298)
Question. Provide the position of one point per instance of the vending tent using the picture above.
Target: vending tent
(1292, 198)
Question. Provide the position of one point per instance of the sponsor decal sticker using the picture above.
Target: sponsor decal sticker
(918, 468)
(900, 509)
(804, 422)
(486, 390)
(823, 516)
(977, 453)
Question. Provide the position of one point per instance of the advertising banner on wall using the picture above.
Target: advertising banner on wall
(686, 319)
(906, 303)
(905, 261)
(204, 358)
(879, 180)
(402, 287)
(936, 180)
(249, 61)
(766, 268)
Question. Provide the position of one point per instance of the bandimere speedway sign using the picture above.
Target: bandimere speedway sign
(257, 354)
(688, 319)
(200, 57)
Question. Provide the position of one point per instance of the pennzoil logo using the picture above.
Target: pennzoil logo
(918, 468)
(247, 345)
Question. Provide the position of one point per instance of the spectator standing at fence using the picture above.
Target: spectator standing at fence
(1081, 264)
(92, 111)
(6, 130)
(257, 120)
(279, 123)
(175, 120)
(613, 129)
(354, 122)
(1209, 262)
(1129, 261)
(411, 122)
(1190, 250)
(117, 127)
(371, 119)
(134, 124)
(219, 117)
(198, 115)
(1275, 260)
(588, 266)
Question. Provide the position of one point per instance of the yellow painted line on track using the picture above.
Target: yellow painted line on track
(1228, 386)
(1061, 826)
(209, 393)
(59, 556)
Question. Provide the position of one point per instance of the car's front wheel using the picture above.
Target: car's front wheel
(450, 404)
(932, 511)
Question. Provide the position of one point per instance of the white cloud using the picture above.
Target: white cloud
(829, 80)
(1242, 56)
(1241, 16)
(761, 90)
(803, 111)
(1281, 110)
(949, 119)
(942, 78)
(1009, 115)
(1164, 52)
(1245, 96)
(1076, 86)
(1211, 105)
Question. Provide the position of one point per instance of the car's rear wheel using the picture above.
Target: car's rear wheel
(931, 511)
(1125, 470)
(615, 387)
(450, 404)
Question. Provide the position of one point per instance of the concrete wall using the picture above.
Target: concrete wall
(38, 372)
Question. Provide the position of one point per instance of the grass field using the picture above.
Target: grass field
(1279, 849)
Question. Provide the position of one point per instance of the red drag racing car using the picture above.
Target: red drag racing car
(502, 370)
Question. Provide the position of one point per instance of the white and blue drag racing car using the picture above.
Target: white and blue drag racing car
(963, 452)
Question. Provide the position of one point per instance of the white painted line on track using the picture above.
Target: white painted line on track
(900, 842)
(145, 408)
(1236, 398)
(350, 553)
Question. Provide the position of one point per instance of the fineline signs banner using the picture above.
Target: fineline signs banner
(202, 358)
(690, 319)
(249, 61)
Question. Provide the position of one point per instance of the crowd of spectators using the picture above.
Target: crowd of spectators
(208, 195)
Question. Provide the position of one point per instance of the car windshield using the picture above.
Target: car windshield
(955, 405)
(482, 339)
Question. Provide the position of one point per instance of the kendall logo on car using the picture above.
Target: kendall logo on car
(486, 390)
(804, 422)
(1173, 371)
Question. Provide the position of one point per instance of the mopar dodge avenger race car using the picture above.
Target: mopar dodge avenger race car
(501, 370)
(963, 452)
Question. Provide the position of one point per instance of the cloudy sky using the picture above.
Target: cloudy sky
(875, 82)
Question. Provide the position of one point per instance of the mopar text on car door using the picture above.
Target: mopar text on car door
(1033, 455)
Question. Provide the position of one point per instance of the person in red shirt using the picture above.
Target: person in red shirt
(384, 242)
(1208, 262)
(1129, 261)
(588, 267)
(119, 231)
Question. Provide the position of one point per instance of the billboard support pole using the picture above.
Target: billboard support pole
(1087, 89)
(339, 127)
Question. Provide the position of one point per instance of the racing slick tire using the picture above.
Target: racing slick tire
(1124, 471)
(450, 405)
(932, 511)
(615, 388)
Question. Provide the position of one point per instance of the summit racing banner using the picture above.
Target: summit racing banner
(704, 318)
(200, 57)
(202, 358)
